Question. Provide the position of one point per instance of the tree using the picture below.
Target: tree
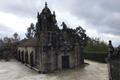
(16, 37)
(96, 45)
(6, 40)
(82, 37)
(30, 31)
(77, 35)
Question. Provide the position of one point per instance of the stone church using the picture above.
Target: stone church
(51, 48)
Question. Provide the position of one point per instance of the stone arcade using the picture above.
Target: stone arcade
(51, 48)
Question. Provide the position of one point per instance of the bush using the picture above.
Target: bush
(5, 54)
(96, 56)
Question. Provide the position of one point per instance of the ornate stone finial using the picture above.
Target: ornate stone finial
(38, 14)
(110, 49)
(110, 45)
(110, 42)
(53, 12)
(64, 25)
(45, 4)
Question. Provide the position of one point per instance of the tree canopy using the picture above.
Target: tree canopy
(30, 31)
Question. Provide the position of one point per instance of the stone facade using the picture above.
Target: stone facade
(51, 48)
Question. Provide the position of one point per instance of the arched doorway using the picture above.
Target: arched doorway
(65, 62)
(22, 57)
(31, 59)
(26, 57)
(18, 55)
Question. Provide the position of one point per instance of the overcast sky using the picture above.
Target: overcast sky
(100, 18)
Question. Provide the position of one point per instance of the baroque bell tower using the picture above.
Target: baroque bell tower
(46, 21)
(46, 33)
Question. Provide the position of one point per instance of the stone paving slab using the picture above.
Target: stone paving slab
(14, 70)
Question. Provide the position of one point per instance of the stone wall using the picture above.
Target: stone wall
(114, 62)
(114, 68)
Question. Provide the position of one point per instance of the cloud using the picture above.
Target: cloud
(5, 31)
(5, 28)
(98, 17)
(10, 23)
(22, 8)
(104, 15)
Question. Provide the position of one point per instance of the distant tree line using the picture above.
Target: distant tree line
(96, 45)
(96, 50)
(7, 46)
